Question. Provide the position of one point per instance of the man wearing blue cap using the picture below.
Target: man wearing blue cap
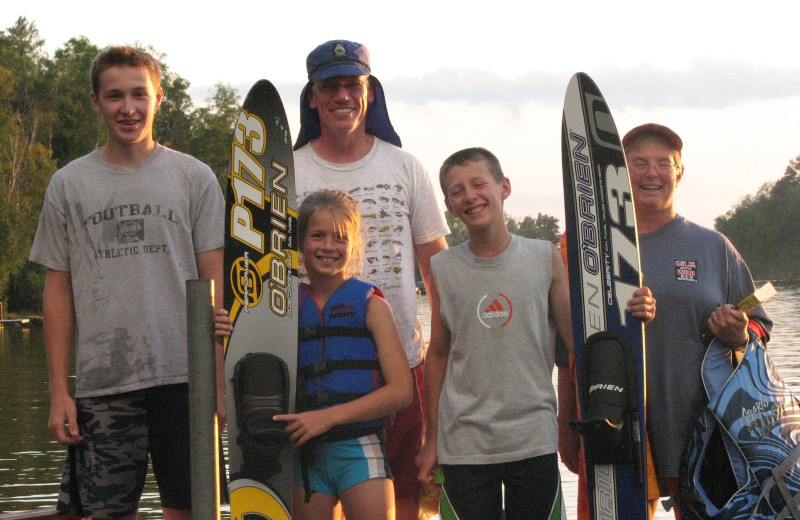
(346, 141)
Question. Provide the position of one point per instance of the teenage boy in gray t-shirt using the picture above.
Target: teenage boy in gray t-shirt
(121, 231)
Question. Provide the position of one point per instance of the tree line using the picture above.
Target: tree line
(765, 227)
(544, 227)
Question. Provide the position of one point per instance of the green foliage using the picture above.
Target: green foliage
(458, 231)
(544, 227)
(79, 129)
(22, 52)
(765, 227)
(47, 120)
(212, 130)
(25, 163)
(173, 122)
(25, 288)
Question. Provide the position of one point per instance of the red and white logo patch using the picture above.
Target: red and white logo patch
(686, 271)
(494, 311)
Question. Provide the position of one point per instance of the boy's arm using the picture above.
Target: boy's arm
(59, 333)
(568, 439)
(559, 300)
(435, 367)
(209, 267)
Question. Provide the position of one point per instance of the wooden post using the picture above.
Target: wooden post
(203, 420)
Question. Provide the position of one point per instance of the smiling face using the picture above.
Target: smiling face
(341, 102)
(474, 196)
(655, 171)
(326, 246)
(127, 99)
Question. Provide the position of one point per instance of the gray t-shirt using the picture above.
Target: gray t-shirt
(128, 237)
(691, 271)
(497, 402)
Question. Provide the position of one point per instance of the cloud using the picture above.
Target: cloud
(702, 84)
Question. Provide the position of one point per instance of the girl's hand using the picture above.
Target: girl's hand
(223, 324)
(304, 426)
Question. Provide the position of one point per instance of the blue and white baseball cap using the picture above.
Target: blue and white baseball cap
(343, 58)
(338, 58)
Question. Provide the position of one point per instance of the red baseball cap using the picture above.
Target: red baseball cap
(653, 129)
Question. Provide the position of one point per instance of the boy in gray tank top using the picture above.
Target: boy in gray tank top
(491, 406)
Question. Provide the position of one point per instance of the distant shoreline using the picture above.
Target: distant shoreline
(21, 322)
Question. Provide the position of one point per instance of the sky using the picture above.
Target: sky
(493, 73)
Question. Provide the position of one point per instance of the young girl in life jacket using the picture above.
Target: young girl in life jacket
(352, 370)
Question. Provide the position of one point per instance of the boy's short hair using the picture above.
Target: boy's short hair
(474, 154)
(123, 55)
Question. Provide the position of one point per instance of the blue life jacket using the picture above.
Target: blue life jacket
(743, 458)
(337, 357)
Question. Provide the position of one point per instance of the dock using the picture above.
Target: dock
(47, 513)
(16, 323)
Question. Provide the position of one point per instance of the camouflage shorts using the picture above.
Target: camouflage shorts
(104, 474)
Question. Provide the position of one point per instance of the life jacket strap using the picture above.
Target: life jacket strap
(326, 367)
(324, 331)
(314, 401)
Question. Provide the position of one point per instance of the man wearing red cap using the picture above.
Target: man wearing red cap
(697, 276)
(346, 141)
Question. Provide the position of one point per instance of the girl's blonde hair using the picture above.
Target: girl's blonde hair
(346, 220)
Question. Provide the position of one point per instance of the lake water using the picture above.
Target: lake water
(31, 461)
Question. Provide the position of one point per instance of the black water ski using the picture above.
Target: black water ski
(261, 294)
